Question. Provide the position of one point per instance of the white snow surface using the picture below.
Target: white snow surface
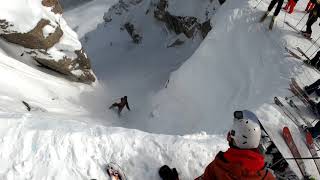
(68, 134)
(25, 15)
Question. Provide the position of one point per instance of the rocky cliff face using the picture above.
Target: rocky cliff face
(187, 17)
(44, 35)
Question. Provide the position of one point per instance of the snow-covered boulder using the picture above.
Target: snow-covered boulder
(40, 29)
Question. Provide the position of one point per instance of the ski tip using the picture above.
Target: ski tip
(285, 129)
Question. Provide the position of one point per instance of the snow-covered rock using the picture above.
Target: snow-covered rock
(173, 13)
(45, 36)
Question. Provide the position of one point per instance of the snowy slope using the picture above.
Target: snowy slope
(70, 135)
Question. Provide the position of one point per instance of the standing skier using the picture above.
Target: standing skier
(313, 17)
(290, 5)
(276, 12)
(243, 159)
(121, 105)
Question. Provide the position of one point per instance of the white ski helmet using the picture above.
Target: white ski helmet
(246, 131)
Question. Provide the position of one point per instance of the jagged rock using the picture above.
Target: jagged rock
(180, 24)
(80, 67)
(35, 39)
(56, 7)
(205, 28)
(136, 38)
(46, 37)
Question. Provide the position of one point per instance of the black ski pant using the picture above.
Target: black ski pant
(312, 19)
(315, 61)
(315, 131)
(313, 87)
(278, 8)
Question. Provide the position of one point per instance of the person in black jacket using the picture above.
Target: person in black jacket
(313, 17)
(276, 12)
(121, 105)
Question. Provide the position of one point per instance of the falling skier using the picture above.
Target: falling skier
(121, 105)
(276, 12)
(243, 159)
(313, 17)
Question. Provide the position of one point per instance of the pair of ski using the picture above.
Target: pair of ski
(303, 96)
(264, 17)
(301, 33)
(291, 144)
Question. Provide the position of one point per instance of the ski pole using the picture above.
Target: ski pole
(285, 14)
(307, 22)
(313, 43)
(314, 52)
(301, 19)
(257, 4)
(303, 158)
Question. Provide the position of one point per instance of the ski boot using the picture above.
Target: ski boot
(272, 22)
(264, 16)
(306, 34)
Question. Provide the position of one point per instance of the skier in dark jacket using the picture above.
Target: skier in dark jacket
(121, 105)
(276, 12)
(313, 17)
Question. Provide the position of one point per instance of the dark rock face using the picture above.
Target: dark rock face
(35, 39)
(79, 68)
(180, 24)
(57, 9)
(136, 38)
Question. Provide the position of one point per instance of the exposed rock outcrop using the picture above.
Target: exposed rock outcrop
(180, 24)
(56, 7)
(35, 39)
(50, 41)
(136, 38)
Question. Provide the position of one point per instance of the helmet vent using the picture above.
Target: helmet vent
(244, 136)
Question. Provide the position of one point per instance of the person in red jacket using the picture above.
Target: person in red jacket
(242, 161)
(290, 5)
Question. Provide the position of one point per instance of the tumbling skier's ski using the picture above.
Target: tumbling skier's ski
(294, 150)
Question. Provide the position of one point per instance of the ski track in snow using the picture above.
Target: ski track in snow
(241, 64)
